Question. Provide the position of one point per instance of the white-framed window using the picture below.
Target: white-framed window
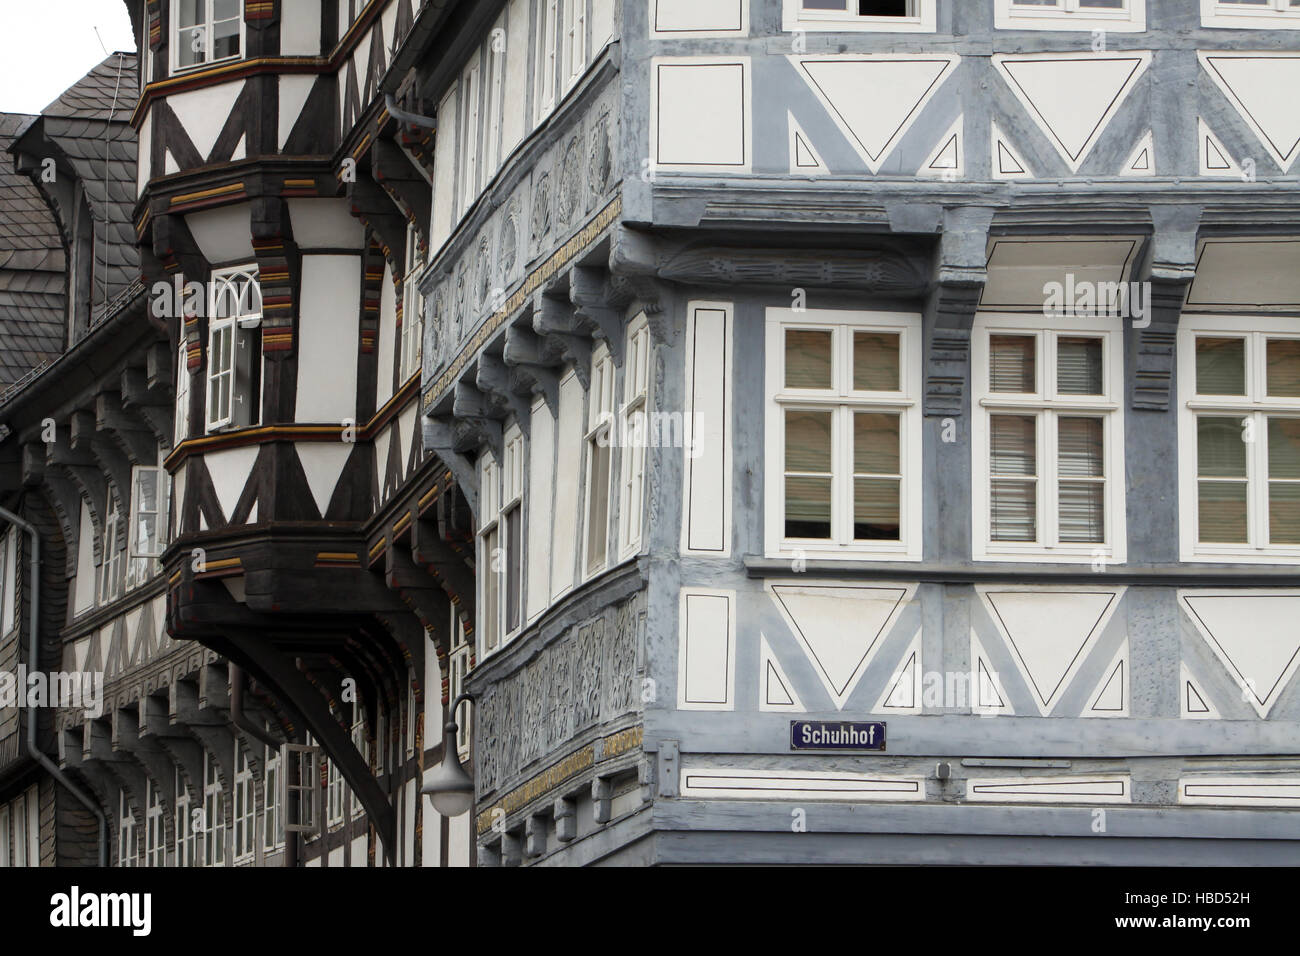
(545, 78)
(412, 307)
(500, 539)
(334, 808)
(8, 580)
(414, 717)
(187, 845)
(300, 791)
(882, 16)
(181, 423)
(272, 817)
(150, 493)
(574, 55)
(469, 92)
(20, 830)
(1239, 438)
(1122, 16)
(599, 452)
(214, 814)
(634, 436)
(155, 838)
(234, 316)
(458, 665)
(206, 31)
(843, 434)
(1047, 439)
(1251, 14)
(363, 747)
(126, 836)
(110, 582)
(245, 808)
(496, 81)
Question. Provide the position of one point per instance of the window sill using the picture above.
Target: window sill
(1070, 22)
(178, 71)
(855, 24)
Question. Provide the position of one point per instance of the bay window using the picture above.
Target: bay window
(206, 31)
(1239, 435)
(843, 460)
(1048, 478)
(234, 317)
(150, 487)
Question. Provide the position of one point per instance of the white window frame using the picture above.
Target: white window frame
(470, 131)
(8, 581)
(1275, 15)
(127, 847)
(244, 816)
(142, 562)
(497, 47)
(1064, 15)
(412, 716)
(906, 402)
(574, 42)
(547, 68)
(501, 495)
(1045, 405)
(181, 423)
(634, 437)
(187, 845)
(363, 747)
(335, 805)
(305, 783)
(599, 432)
(412, 308)
(110, 567)
(458, 669)
(227, 336)
(155, 834)
(176, 38)
(1255, 406)
(924, 19)
(214, 814)
(272, 809)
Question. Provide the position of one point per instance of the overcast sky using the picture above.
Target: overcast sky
(47, 45)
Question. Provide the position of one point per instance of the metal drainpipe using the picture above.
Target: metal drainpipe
(411, 119)
(237, 708)
(33, 659)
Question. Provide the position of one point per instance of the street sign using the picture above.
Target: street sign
(837, 735)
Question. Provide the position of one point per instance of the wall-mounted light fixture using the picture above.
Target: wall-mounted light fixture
(448, 785)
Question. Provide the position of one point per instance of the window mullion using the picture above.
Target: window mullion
(1047, 472)
(1257, 483)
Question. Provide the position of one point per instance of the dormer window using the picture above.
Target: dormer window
(885, 16)
(206, 31)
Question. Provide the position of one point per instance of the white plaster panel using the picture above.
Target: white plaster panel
(328, 335)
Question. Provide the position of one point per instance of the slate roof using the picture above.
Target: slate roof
(31, 268)
(88, 130)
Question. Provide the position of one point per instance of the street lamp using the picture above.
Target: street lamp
(449, 786)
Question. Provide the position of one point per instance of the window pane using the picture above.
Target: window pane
(598, 506)
(189, 12)
(1222, 512)
(1079, 443)
(490, 589)
(808, 441)
(1104, 4)
(1011, 363)
(513, 567)
(1220, 450)
(1220, 366)
(1014, 509)
(807, 359)
(225, 41)
(225, 9)
(807, 507)
(875, 509)
(1082, 512)
(1078, 366)
(875, 362)
(1284, 368)
(1284, 447)
(1283, 512)
(875, 444)
(1014, 445)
